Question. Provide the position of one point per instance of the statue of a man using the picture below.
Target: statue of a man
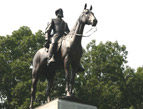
(57, 27)
(55, 30)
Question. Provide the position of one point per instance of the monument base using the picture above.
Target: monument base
(65, 104)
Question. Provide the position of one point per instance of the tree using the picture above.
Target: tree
(101, 84)
(16, 52)
(134, 88)
(106, 83)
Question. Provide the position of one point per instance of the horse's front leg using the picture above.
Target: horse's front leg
(67, 76)
(72, 79)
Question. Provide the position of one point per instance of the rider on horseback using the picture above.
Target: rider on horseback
(58, 27)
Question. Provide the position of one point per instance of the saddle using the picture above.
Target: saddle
(59, 44)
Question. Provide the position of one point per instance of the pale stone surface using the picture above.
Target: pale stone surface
(51, 105)
(63, 104)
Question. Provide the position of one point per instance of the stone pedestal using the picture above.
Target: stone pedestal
(65, 104)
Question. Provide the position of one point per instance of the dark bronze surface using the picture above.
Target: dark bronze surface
(69, 54)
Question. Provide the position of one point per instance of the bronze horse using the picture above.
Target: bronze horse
(68, 55)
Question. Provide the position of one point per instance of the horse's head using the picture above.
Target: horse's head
(87, 17)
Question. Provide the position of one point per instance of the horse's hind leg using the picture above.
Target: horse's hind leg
(48, 89)
(50, 84)
(33, 89)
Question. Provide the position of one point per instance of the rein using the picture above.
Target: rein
(87, 32)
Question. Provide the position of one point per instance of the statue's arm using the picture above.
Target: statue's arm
(66, 29)
(48, 30)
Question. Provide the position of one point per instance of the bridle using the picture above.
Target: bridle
(94, 30)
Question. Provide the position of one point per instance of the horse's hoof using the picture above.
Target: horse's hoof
(30, 107)
(68, 93)
(48, 99)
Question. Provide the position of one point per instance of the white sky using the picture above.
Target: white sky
(120, 20)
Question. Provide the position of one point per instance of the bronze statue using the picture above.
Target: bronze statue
(60, 28)
(56, 29)
(69, 54)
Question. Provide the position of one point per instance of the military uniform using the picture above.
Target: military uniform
(54, 31)
(58, 28)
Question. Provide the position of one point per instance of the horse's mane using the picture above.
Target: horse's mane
(73, 30)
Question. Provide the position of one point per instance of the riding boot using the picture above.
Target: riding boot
(46, 45)
(51, 53)
(80, 68)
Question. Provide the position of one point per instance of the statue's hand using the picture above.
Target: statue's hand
(46, 39)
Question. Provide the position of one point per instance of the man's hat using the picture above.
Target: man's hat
(59, 12)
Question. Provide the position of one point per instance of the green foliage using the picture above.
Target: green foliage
(16, 52)
(134, 88)
(106, 83)
(101, 82)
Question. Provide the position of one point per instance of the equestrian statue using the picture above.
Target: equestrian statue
(63, 50)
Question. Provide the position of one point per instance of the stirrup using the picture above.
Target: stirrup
(50, 60)
(80, 69)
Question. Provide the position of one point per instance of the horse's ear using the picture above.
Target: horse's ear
(91, 7)
(85, 5)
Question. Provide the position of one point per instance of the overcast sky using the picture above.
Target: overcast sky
(118, 20)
